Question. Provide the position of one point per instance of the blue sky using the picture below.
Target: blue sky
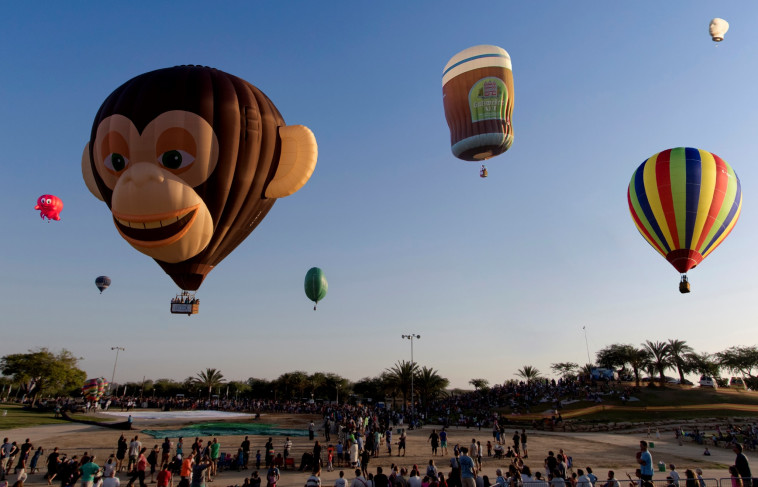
(494, 274)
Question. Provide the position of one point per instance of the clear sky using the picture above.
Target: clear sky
(494, 273)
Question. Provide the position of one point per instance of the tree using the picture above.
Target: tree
(209, 378)
(705, 364)
(659, 353)
(528, 373)
(400, 375)
(637, 359)
(613, 356)
(479, 383)
(430, 385)
(741, 360)
(679, 351)
(43, 372)
(565, 369)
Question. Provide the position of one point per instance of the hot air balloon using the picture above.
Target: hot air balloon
(49, 207)
(684, 202)
(89, 389)
(717, 29)
(315, 285)
(102, 283)
(477, 92)
(189, 173)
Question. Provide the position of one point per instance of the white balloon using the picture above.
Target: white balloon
(718, 28)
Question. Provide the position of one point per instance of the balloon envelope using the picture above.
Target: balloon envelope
(49, 206)
(717, 29)
(315, 284)
(684, 202)
(102, 283)
(477, 93)
(189, 173)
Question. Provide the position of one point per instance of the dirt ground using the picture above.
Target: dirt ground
(601, 451)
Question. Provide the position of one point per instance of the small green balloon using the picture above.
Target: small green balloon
(315, 285)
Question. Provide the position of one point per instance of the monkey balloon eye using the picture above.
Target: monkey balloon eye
(176, 159)
(115, 162)
(48, 201)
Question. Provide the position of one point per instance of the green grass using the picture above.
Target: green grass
(17, 417)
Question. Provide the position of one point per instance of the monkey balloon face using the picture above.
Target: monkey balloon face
(152, 175)
(190, 160)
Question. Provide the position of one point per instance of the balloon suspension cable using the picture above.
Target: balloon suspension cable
(314, 306)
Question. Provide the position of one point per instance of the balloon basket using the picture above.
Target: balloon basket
(684, 285)
(185, 303)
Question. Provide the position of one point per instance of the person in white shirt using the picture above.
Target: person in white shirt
(414, 480)
(111, 480)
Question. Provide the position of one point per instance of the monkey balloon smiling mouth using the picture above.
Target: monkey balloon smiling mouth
(155, 230)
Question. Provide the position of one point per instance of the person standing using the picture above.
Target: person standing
(245, 445)
(23, 457)
(434, 440)
(88, 471)
(516, 440)
(743, 466)
(165, 452)
(645, 460)
(121, 449)
(111, 480)
(315, 479)
(140, 467)
(380, 479)
(523, 444)
(164, 476)
(359, 480)
(443, 441)
(53, 460)
(134, 451)
(311, 431)
(468, 470)
(152, 460)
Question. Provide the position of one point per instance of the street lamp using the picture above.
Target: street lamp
(116, 362)
(411, 337)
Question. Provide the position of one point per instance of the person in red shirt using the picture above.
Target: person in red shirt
(139, 471)
(164, 477)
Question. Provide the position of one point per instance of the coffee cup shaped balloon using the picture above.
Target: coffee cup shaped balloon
(477, 93)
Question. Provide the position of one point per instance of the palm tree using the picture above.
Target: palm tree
(429, 385)
(528, 373)
(679, 351)
(209, 378)
(660, 353)
(637, 359)
(400, 376)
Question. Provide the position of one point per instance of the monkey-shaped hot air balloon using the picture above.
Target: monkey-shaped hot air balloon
(684, 202)
(477, 93)
(189, 160)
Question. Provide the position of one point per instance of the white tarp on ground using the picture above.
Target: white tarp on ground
(176, 414)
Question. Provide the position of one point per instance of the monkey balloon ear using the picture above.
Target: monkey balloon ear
(296, 163)
(89, 178)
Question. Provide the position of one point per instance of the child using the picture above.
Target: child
(258, 460)
(489, 448)
(329, 465)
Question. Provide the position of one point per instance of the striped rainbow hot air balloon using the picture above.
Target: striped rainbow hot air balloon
(685, 201)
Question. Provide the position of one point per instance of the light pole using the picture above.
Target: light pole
(411, 337)
(116, 362)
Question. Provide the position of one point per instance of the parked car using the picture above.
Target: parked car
(737, 383)
(707, 381)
